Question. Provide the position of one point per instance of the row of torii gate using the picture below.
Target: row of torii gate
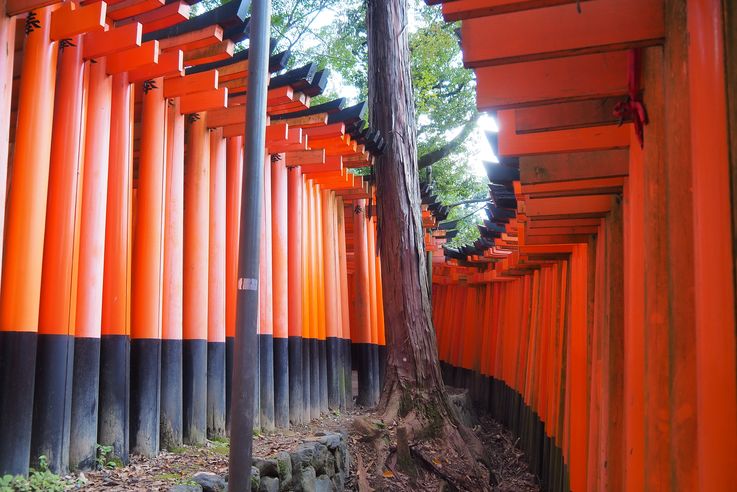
(595, 316)
(121, 132)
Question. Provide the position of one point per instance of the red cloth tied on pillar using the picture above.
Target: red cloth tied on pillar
(633, 107)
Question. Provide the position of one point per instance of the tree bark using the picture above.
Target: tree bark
(413, 392)
(412, 359)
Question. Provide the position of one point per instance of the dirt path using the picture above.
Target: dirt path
(175, 468)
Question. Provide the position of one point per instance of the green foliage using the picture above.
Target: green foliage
(106, 458)
(333, 34)
(38, 480)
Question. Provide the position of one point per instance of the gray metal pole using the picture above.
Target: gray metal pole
(247, 311)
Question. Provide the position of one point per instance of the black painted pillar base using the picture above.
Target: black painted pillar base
(366, 379)
(382, 366)
(281, 382)
(85, 388)
(52, 403)
(144, 404)
(229, 341)
(376, 388)
(266, 360)
(314, 378)
(296, 386)
(171, 427)
(307, 379)
(215, 389)
(17, 375)
(334, 373)
(347, 373)
(322, 347)
(114, 394)
(257, 388)
(194, 391)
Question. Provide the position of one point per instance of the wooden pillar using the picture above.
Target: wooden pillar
(319, 285)
(24, 233)
(373, 310)
(361, 331)
(294, 237)
(716, 367)
(266, 307)
(234, 179)
(7, 54)
(345, 338)
(196, 246)
(307, 302)
(54, 355)
(172, 426)
(280, 288)
(216, 294)
(332, 296)
(116, 289)
(86, 378)
(147, 288)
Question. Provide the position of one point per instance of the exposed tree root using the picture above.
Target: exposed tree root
(418, 434)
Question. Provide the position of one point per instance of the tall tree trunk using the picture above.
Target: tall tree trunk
(412, 352)
(413, 392)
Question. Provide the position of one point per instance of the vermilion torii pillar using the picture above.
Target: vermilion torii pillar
(116, 290)
(297, 374)
(280, 288)
(85, 383)
(171, 339)
(266, 310)
(148, 251)
(216, 294)
(234, 180)
(196, 245)
(361, 307)
(23, 258)
(54, 357)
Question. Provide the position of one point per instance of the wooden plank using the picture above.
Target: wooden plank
(588, 205)
(576, 165)
(596, 138)
(604, 25)
(103, 43)
(204, 101)
(131, 59)
(16, 7)
(162, 17)
(304, 158)
(469, 9)
(189, 84)
(70, 20)
(562, 116)
(565, 79)
(168, 64)
(129, 8)
(193, 40)
(577, 187)
(211, 53)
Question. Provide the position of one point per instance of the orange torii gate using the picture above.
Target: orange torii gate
(591, 317)
(126, 162)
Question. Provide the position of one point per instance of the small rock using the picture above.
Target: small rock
(320, 433)
(255, 479)
(323, 484)
(302, 457)
(267, 468)
(284, 465)
(210, 482)
(332, 441)
(307, 479)
(339, 481)
(269, 484)
(82, 478)
(320, 458)
(186, 488)
(330, 465)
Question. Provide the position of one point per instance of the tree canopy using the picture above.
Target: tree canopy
(332, 33)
